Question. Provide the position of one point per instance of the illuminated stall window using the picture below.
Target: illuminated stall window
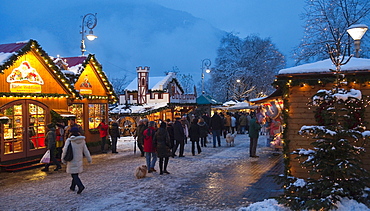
(97, 112)
(36, 128)
(13, 135)
(25, 129)
(77, 109)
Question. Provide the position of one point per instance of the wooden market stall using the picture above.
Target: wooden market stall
(95, 92)
(34, 92)
(298, 85)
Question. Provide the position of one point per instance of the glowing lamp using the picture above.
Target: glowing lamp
(91, 35)
(357, 31)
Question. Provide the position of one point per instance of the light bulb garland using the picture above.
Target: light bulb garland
(33, 45)
(112, 95)
(338, 134)
(29, 95)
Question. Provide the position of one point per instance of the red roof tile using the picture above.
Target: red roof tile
(73, 61)
(12, 47)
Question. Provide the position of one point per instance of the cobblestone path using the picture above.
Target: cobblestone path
(244, 182)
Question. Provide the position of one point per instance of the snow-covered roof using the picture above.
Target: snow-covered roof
(139, 109)
(238, 106)
(4, 57)
(355, 64)
(10, 49)
(155, 83)
(74, 64)
(229, 103)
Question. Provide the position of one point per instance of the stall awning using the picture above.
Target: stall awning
(207, 100)
(276, 94)
(64, 113)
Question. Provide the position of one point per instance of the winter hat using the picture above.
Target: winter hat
(163, 125)
(75, 131)
(51, 125)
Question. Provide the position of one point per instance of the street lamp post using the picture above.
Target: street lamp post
(90, 21)
(239, 95)
(357, 31)
(338, 59)
(206, 63)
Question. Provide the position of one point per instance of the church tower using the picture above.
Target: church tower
(142, 84)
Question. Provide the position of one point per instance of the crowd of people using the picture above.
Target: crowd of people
(165, 139)
(57, 139)
(156, 140)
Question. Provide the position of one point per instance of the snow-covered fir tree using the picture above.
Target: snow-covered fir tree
(334, 160)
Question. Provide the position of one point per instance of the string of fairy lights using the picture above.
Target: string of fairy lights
(33, 45)
(355, 108)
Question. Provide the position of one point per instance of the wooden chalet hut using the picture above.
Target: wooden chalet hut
(298, 84)
(34, 92)
(96, 92)
(204, 105)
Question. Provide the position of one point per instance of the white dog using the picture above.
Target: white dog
(141, 171)
(230, 139)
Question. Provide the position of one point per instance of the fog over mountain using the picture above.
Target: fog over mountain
(131, 33)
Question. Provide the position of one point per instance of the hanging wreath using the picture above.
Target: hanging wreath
(327, 104)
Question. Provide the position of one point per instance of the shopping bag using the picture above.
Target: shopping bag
(46, 157)
(69, 154)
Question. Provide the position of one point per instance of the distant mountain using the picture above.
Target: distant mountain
(130, 34)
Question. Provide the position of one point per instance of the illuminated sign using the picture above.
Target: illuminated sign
(25, 88)
(86, 87)
(25, 79)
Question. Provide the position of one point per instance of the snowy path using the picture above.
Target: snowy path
(111, 185)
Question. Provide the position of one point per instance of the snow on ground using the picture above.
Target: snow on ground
(111, 185)
(272, 205)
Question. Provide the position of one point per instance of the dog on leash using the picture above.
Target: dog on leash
(141, 171)
(230, 139)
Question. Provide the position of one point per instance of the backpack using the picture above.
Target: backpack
(149, 133)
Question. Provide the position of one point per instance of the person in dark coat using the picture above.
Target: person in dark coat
(254, 130)
(194, 134)
(50, 141)
(170, 132)
(139, 134)
(216, 125)
(243, 122)
(179, 136)
(163, 145)
(203, 132)
(206, 118)
(114, 134)
(72, 123)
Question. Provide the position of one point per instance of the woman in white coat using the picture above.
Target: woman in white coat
(75, 166)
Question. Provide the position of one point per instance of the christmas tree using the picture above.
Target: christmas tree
(334, 160)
